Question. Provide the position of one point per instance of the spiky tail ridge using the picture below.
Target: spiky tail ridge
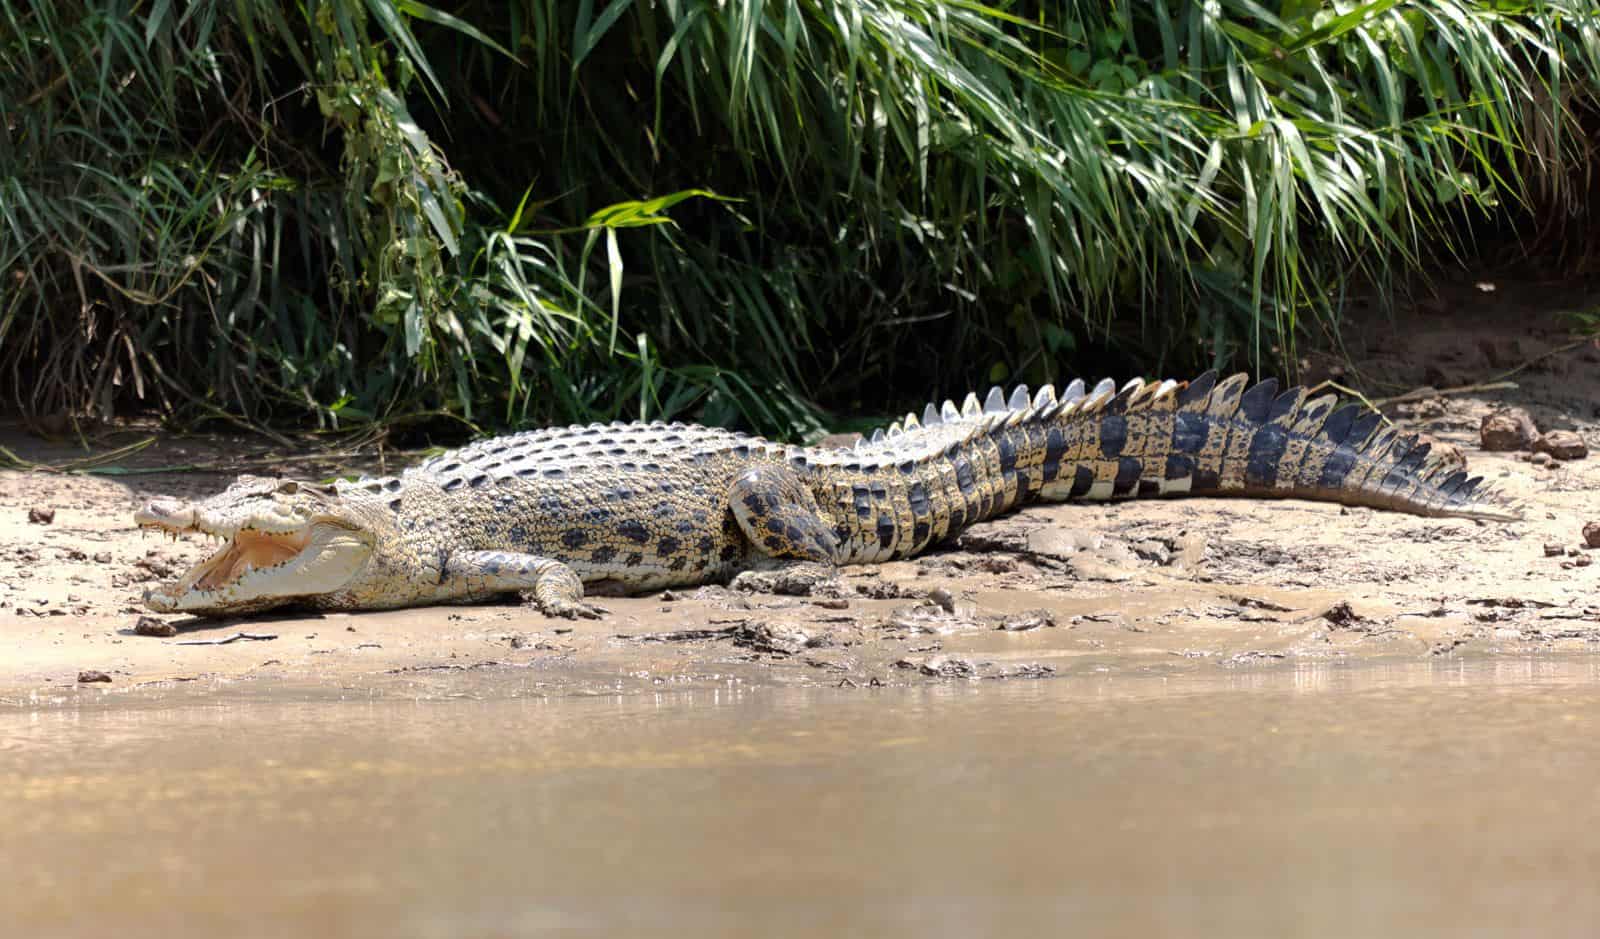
(1210, 437)
(1203, 437)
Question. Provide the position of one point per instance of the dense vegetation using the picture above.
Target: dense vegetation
(509, 213)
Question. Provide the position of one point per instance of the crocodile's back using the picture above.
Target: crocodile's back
(642, 504)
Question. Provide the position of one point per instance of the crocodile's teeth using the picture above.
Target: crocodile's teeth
(970, 408)
(877, 435)
(1019, 399)
(1133, 383)
(930, 416)
(895, 430)
(911, 422)
(1165, 388)
(1074, 391)
(949, 413)
(996, 402)
(1045, 396)
(1106, 386)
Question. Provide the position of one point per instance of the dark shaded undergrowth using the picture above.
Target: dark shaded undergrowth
(349, 214)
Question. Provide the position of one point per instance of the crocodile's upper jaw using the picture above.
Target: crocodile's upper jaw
(263, 562)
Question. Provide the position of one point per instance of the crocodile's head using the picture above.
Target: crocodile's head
(283, 542)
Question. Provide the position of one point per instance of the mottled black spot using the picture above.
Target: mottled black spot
(392, 485)
(618, 494)
(449, 467)
(1266, 452)
(1204, 481)
(1197, 390)
(554, 472)
(629, 466)
(741, 451)
(918, 497)
(908, 467)
(551, 504)
(919, 532)
(668, 545)
(775, 525)
(879, 491)
(753, 503)
(603, 554)
(1363, 428)
(1179, 466)
(958, 520)
(863, 502)
(798, 461)
(491, 565)
(1024, 485)
(684, 527)
(1128, 471)
(1189, 432)
(1082, 479)
(1340, 462)
(663, 510)
(518, 534)
(1337, 427)
(1149, 487)
(1008, 453)
(479, 481)
(886, 531)
(634, 559)
(453, 485)
(773, 542)
(596, 515)
(702, 518)
(728, 552)
(634, 531)
(394, 505)
(705, 544)
(1282, 405)
(1113, 435)
(679, 561)
(1256, 403)
(575, 537)
(1055, 447)
(966, 480)
(527, 471)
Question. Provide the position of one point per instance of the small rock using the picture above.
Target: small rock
(150, 626)
(1508, 429)
(43, 516)
(1582, 561)
(943, 598)
(781, 637)
(1342, 615)
(1562, 444)
(1022, 622)
(832, 603)
(102, 557)
(1541, 459)
(1553, 550)
(89, 675)
(1591, 534)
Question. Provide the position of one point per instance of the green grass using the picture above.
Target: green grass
(358, 214)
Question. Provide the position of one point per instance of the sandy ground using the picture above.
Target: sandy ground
(1158, 587)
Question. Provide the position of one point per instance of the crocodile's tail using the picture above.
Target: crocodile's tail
(1211, 437)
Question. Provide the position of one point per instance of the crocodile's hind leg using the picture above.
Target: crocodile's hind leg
(778, 513)
(555, 587)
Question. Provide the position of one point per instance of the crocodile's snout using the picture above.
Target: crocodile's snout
(165, 513)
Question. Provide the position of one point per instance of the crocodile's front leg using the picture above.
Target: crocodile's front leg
(778, 512)
(476, 575)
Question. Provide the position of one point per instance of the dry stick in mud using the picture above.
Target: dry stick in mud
(628, 508)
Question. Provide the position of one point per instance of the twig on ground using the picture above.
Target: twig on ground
(225, 639)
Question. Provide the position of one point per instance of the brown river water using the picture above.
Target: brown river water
(1406, 799)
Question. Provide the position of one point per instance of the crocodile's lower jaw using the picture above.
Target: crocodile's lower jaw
(256, 570)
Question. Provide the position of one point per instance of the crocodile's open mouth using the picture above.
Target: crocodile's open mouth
(254, 568)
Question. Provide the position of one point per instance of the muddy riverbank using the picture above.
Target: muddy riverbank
(1140, 588)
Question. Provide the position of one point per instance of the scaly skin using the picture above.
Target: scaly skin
(627, 508)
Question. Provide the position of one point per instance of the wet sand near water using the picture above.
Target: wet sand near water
(1396, 798)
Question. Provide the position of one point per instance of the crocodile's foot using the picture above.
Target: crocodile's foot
(794, 579)
(563, 607)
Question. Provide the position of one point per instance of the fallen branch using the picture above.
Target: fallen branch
(225, 639)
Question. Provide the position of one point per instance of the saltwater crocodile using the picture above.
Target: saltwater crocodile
(636, 507)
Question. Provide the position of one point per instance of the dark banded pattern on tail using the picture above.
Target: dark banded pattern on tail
(923, 480)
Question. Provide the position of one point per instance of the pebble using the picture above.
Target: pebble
(150, 626)
(1507, 429)
(1553, 550)
(41, 516)
(1591, 534)
(1562, 444)
(90, 675)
